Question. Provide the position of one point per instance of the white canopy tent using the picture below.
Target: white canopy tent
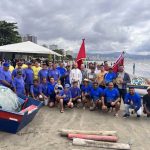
(27, 47)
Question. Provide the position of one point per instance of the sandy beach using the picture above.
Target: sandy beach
(42, 132)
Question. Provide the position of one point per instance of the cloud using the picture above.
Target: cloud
(106, 25)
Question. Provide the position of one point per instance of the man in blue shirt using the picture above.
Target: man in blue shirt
(44, 87)
(51, 92)
(5, 76)
(85, 93)
(65, 98)
(18, 84)
(62, 71)
(43, 73)
(96, 94)
(29, 77)
(111, 98)
(67, 79)
(132, 101)
(110, 76)
(36, 90)
(14, 73)
(54, 73)
(76, 93)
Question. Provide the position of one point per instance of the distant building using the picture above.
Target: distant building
(53, 47)
(29, 37)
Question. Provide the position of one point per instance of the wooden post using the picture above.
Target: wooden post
(65, 132)
(99, 144)
(94, 137)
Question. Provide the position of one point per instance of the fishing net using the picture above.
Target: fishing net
(9, 100)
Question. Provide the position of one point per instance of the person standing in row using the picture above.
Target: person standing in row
(29, 77)
(100, 77)
(43, 73)
(76, 75)
(62, 72)
(54, 73)
(5, 76)
(122, 79)
(14, 73)
(36, 68)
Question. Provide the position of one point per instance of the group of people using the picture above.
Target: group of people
(95, 87)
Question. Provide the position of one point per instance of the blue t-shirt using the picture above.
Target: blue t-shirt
(44, 87)
(43, 73)
(19, 85)
(136, 99)
(96, 93)
(67, 79)
(75, 91)
(51, 88)
(29, 76)
(111, 95)
(62, 71)
(5, 76)
(86, 89)
(109, 77)
(14, 73)
(36, 90)
(54, 73)
(67, 94)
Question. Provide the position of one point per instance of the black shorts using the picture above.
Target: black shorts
(65, 103)
(109, 105)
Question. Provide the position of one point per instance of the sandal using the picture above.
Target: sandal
(61, 111)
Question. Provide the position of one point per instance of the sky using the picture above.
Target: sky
(107, 25)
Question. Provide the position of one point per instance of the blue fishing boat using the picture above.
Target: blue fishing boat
(12, 122)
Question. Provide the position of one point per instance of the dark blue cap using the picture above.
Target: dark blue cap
(6, 64)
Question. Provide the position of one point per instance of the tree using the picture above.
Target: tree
(9, 33)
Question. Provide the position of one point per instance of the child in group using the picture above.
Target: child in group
(36, 90)
(96, 95)
(51, 92)
(65, 98)
(85, 93)
(76, 93)
(18, 84)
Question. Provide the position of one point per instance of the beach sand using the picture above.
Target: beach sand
(42, 132)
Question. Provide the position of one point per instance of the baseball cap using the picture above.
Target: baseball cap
(6, 64)
(67, 86)
(86, 80)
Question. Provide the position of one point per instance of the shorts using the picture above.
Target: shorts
(65, 102)
(52, 97)
(109, 105)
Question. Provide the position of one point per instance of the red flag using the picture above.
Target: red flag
(81, 55)
(119, 62)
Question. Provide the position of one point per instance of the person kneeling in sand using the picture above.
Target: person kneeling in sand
(85, 93)
(111, 99)
(132, 101)
(96, 94)
(65, 98)
(146, 103)
(75, 93)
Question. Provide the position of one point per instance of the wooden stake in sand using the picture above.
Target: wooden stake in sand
(99, 144)
(65, 132)
(94, 137)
